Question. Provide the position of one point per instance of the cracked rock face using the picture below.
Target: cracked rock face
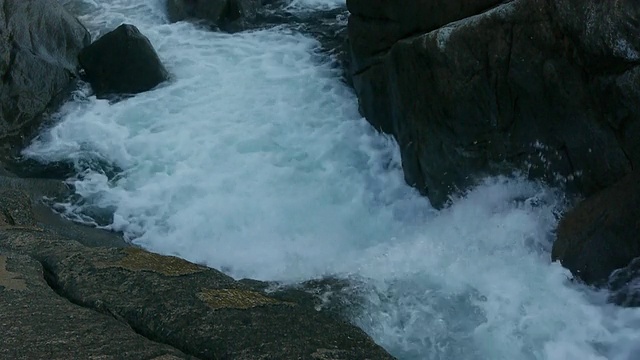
(60, 298)
(488, 87)
(36, 64)
(37, 323)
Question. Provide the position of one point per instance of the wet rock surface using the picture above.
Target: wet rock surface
(600, 234)
(229, 15)
(38, 323)
(105, 299)
(545, 87)
(122, 62)
(624, 285)
(37, 65)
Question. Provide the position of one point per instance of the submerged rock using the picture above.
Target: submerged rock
(229, 15)
(39, 45)
(474, 88)
(122, 61)
(145, 305)
(624, 285)
(600, 235)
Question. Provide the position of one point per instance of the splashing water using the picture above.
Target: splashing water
(253, 159)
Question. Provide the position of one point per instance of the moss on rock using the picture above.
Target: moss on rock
(236, 299)
(140, 260)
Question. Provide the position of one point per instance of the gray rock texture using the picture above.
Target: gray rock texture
(475, 88)
(62, 295)
(37, 64)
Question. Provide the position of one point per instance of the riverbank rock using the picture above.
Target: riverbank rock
(228, 15)
(122, 61)
(100, 299)
(624, 285)
(470, 89)
(600, 235)
(39, 45)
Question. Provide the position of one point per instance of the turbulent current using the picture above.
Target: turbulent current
(253, 159)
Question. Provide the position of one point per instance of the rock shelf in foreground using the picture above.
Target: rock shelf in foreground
(60, 298)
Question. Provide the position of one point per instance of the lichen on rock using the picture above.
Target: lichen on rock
(136, 259)
(236, 299)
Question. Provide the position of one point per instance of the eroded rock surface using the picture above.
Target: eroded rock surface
(147, 305)
(37, 323)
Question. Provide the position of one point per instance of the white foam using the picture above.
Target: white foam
(254, 160)
(316, 4)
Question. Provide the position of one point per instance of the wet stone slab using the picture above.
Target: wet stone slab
(71, 293)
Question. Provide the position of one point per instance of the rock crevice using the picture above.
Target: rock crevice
(51, 279)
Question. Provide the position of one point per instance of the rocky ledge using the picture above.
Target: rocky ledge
(68, 291)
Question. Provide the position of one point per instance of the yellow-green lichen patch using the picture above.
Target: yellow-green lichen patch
(141, 260)
(9, 280)
(236, 299)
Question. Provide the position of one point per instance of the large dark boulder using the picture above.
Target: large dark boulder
(547, 87)
(122, 61)
(600, 235)
(229, 15)
(39, 44)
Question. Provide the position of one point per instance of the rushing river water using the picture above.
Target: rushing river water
(253, 159)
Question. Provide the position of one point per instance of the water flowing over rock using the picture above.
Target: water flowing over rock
(325, 25)
(122, 61)
(601, 234)
(480, 88)
(39, 44)
(56, 287)
(226, 14)
(624, 285)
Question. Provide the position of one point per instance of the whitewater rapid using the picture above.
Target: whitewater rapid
(253, 159)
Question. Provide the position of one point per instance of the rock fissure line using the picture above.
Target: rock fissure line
(51, 279)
